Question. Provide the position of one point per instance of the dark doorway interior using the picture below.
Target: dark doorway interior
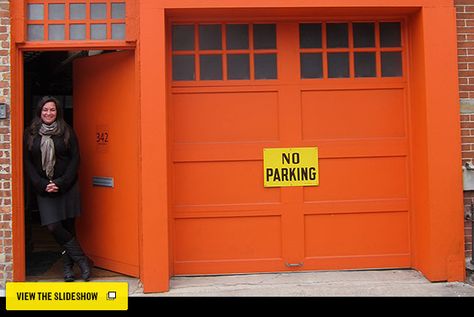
(47, 73)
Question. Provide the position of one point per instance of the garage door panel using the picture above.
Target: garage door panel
(357, 234)
(224, 219)
(355, 206)
(202, 239)
(344, 148)
(359, 179)
(198, 152)
(341, 114)
(196, 183)
(236, 117)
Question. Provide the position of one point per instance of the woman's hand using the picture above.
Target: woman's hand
(52, 188)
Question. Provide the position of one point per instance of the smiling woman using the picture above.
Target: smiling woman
(51, 158)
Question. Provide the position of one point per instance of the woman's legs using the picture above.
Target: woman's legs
(62, 235)
(70, 225)
(59, 232)
(63, 232)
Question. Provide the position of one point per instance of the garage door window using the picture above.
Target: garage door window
(202, 52)
(350, 50)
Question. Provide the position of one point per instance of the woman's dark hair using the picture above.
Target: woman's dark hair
(63, 127)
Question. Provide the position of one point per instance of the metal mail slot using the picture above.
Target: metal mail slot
(102, 181)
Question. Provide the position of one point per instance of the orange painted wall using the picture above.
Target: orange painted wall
(155, 254)
(419, 190)
(437, 191)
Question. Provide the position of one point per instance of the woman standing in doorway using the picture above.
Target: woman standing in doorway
(51, 158)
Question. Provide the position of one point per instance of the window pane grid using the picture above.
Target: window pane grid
(364, 50)
(234, 43)
(76, 20)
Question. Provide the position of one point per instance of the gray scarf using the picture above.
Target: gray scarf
(48, 158)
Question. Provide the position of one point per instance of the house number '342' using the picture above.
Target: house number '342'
(102, 137)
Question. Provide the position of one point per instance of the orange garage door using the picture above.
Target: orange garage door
(240, 87)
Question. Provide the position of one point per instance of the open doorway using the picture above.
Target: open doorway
(48, 73)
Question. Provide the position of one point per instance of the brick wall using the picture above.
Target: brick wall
(6, 268)
(465, 29)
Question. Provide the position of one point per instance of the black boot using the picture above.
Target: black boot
(77, 255)
(68, 265)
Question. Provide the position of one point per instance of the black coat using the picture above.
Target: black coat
(65, 169)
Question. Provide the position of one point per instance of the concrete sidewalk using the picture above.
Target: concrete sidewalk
(395, 283)
(327, 283)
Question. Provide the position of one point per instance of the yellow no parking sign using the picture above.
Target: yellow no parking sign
(290, 167)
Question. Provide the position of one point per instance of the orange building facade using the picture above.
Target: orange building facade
(174, 115)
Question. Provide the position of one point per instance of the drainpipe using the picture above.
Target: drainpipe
(470, 216)
(468, 185)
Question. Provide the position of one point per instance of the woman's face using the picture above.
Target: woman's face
(48, 112)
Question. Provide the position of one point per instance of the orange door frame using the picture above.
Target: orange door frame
(18, 46)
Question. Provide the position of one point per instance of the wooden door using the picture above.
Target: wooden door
(106, 122)
(347, 99)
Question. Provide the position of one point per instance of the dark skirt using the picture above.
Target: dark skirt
(61, 207)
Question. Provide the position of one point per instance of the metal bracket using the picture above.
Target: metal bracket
(3, 110)
(468, 213)
(294, 264)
